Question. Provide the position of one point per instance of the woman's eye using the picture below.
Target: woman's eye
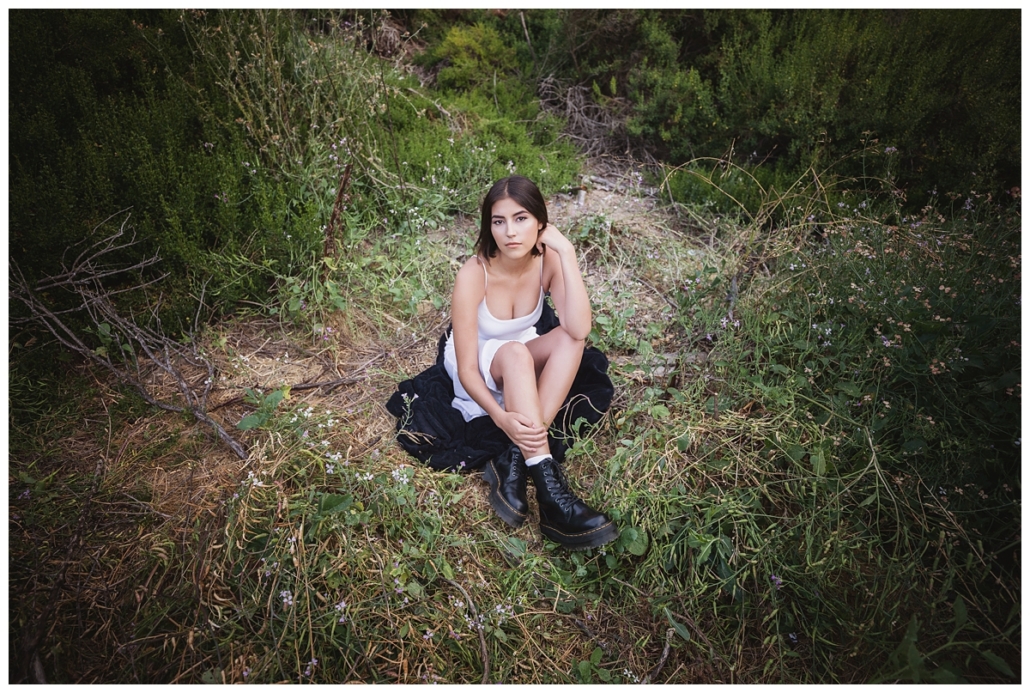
(520, 218)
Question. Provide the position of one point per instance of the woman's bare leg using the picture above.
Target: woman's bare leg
(536, 376)
(556, 356)
(514, 371)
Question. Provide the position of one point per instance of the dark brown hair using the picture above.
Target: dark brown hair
(525, 193)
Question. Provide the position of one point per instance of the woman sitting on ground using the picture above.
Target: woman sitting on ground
(501, 368)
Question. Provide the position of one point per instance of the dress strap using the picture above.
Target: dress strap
(541, 272)
(486, 277)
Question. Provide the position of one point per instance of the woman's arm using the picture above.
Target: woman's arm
(469, 290)
(566, 284)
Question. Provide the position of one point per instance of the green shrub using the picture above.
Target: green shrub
(797, 88)
(474, 55)
(881, 366)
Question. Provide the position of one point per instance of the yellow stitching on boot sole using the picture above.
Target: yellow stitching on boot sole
(581, 534)
(499, 496)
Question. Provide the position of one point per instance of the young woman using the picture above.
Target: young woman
(502, 369)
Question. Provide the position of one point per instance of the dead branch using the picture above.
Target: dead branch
(341, 203)
(482, 638)
(598, 130)
(126, 340)
(653, 674)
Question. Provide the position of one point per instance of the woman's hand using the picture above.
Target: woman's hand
(522, 431)
(551, 238)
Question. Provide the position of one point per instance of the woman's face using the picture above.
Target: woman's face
(514, 229)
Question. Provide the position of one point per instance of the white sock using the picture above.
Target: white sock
(536, 460)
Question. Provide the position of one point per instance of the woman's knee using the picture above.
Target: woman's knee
(514, 355)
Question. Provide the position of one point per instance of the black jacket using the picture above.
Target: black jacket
(433, 431)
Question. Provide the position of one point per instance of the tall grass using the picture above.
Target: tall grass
(802, 500)
(813, 455)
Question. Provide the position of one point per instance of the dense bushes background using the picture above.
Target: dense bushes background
(793, 89)
(148, 110)
(814, 461)
(226, 134)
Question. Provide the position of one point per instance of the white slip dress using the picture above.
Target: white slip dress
(493, 334)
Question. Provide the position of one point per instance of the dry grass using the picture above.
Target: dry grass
(127, 585)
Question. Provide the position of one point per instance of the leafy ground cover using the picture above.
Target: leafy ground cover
(813, 453)
(797, 500)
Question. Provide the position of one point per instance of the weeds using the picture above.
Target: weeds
(813, 454)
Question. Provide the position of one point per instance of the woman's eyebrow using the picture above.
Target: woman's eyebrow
(501, 216)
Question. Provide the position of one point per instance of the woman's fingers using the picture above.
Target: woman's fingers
(521, 418)
(525, 433)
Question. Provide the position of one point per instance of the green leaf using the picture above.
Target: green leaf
(404, 630)
(915, 664)
(635, 540)
(212, 677)
(604, 675)
(706, 551)
(869, 499)
(850, 388)
(250, 421)
(795, 452)
(1010, 379)
(660, 411)
(777, 368)
(595, 656)
(998, 664)
(331, 503)
(947, 676)
(818, 463)
(913, 446)
(515, 545)
(680, 629)
(275, 397)
(584, 671)
(960, 612)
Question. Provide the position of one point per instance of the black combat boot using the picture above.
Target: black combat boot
(564, 518)
(507, 478)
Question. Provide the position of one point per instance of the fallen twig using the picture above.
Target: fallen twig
(126, 339)
(479, 629)
(669, 632)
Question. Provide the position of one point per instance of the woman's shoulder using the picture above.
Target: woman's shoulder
(471, 279)
(472, 267)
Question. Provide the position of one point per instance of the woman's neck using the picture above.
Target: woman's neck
(512, 268)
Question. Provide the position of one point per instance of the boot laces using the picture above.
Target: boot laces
(516, 467)
(514, 472)
(559, 489)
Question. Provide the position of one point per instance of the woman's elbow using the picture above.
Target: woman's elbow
(466, 376)
(579, 332)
